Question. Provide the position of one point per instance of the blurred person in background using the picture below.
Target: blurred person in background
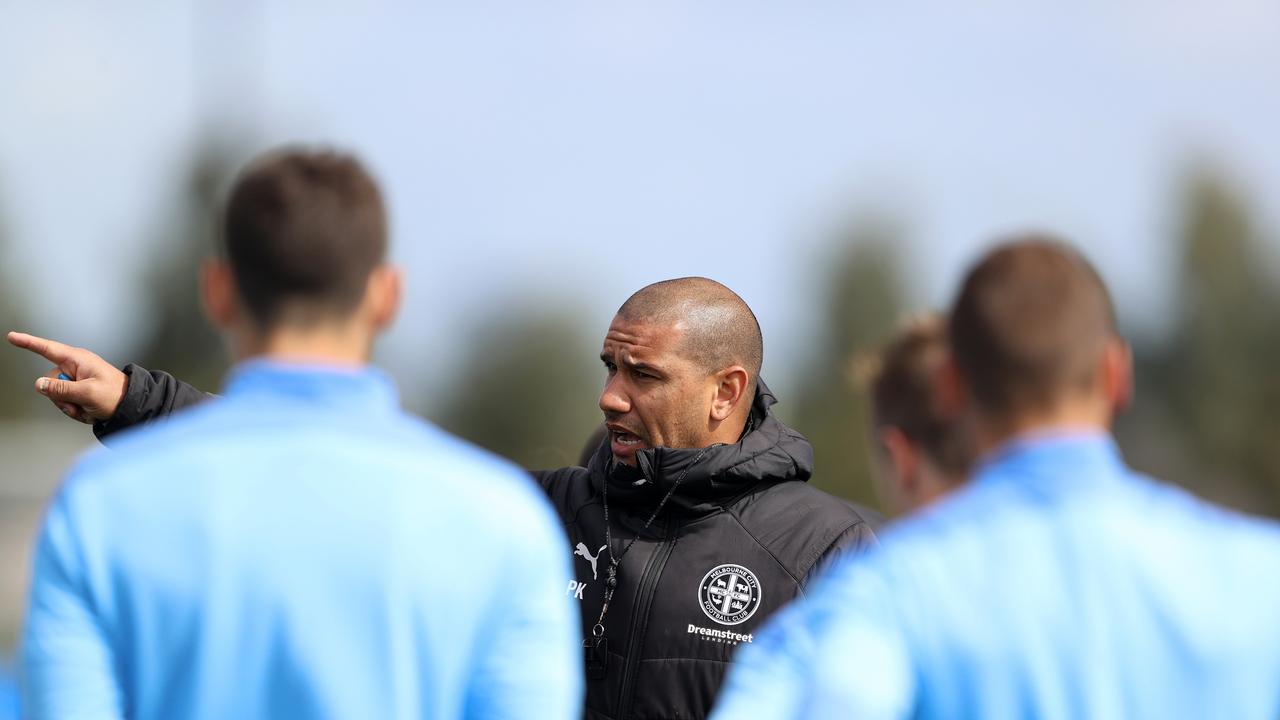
(1056, 582)
(922, 453)
(692, 520)
(301, 548)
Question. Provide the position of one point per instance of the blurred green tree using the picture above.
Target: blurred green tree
(179, 339)
(864, 301)
(19, 369)
(1208, 408)
(528, 387)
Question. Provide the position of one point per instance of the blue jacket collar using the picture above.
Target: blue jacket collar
(363, 387)
(1053, 453)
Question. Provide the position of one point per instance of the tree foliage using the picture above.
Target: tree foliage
(180, 339)
(19, 397)
(864, 300)
(528, 387)
(1208, 410)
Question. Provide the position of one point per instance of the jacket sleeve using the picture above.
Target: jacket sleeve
(150, 395)
(544, 478)
(855, 540)
(558, 483)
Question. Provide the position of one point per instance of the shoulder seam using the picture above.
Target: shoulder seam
(578, 511)
(772, 554)
(827, 546)
(569, 519)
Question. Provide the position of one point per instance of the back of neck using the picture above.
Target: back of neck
(992, 432)
(339, 347)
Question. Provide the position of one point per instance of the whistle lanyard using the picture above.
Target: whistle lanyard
(595, 645)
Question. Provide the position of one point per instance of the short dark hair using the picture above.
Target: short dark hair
(903, 395)
(720, 329)
(1029, 325)
(303, 229)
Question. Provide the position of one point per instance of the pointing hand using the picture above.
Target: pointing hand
(94, 388)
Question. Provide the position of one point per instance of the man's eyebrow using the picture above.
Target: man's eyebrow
(607, 358)
(644, 367)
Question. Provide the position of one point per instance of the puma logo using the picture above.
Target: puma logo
(586, 554)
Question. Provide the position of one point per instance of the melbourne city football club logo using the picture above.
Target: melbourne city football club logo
(729, 594)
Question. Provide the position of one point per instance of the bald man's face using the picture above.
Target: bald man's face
(653, 396)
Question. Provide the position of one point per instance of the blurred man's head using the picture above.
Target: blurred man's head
(921, 451)
(303, 250)
(1034, 341)
(683, 357)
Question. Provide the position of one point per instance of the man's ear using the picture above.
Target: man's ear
(903, 463)
(383, 296)
(731, 392)
(1117, 375)
(951, 393)
(218, 293)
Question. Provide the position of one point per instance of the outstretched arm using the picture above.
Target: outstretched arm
(97, 392)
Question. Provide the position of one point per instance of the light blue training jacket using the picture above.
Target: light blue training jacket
(300, 549)
(1056, 584)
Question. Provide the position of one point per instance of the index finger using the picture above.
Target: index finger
(51, 350)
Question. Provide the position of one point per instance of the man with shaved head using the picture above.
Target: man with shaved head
(1056, 583)
(691, 522)
(713, 348)
(693, 517)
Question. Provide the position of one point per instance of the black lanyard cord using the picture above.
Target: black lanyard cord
(611, 584)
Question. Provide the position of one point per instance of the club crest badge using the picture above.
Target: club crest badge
(729, 594)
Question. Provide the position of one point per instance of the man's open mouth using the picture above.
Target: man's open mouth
(627, 439)
(623, 441)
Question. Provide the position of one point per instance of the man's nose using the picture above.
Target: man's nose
(613, 400)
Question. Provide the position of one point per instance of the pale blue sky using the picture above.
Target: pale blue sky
(582, 149)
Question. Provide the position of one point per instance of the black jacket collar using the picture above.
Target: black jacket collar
(769, 452)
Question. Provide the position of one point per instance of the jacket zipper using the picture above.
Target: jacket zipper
(640, 619)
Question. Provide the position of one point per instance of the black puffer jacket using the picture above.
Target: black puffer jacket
(740, 537)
